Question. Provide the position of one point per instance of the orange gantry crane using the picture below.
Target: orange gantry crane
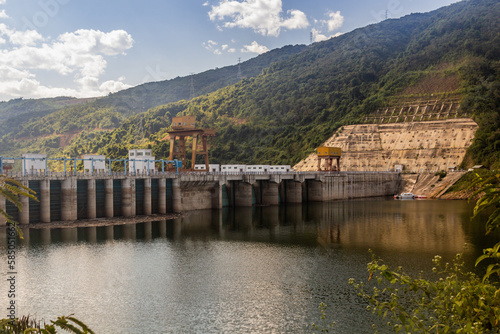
(183, 127)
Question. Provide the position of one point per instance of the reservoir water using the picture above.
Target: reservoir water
(255, 270)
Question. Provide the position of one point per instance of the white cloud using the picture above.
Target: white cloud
(335, 22)
(254, 48)
(319, 37)
(28, 37)
(216, 49)
(298, 20)
(211, 46)
(263, 16)
(205, 4)
(94, 41)
(17, 83)
(112, 86)
(3, 14)
(81, 53)
(2, 2)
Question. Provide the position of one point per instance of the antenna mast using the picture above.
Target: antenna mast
(239, 68)
(192, 87)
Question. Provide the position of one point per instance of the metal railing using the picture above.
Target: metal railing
(74, 166)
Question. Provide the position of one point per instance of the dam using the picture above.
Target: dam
(70, 196)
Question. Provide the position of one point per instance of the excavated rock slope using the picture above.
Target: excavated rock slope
(429, 146)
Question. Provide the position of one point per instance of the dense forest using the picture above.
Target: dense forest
(298, 101)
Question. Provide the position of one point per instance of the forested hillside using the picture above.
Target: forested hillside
(294, 105)
(16, 112)
(46, 125)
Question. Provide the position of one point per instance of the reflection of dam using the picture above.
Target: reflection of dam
(406, 226)
(73, 197)
(393, 225)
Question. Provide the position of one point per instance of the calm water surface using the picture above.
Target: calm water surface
(260, 270)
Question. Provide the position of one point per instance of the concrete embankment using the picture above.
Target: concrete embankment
(430, 146)
(429, 184)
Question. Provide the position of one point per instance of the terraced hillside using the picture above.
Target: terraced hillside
(427, 146)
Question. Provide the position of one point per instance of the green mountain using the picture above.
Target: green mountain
(16, 112)
(282, 114)
(47, 125)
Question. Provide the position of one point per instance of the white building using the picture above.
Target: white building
(280, 168)
(212, 168)
(140, 161)
(34, 163)
(258, 168)
(94, 162)
(233, 168)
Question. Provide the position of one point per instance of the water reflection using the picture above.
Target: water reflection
(400, 226)
(258, 270)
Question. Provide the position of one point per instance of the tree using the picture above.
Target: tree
(489, 189)
(27, 326)
(457, 301)
(11, 190)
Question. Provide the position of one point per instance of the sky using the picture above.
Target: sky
(89, 48)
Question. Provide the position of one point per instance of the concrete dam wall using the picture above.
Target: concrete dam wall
(77, 197)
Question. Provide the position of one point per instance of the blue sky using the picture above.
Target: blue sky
(86, 48)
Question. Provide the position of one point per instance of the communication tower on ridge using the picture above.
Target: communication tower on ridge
(191, 95)
(239, 68)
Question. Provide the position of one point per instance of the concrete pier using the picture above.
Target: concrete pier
(176, 191)
(242, 194)
(91, 205)
(68, 199)
(147, 197)
(162, 196)
(44, 198)
(24, 215)
(108, 197)
(126, 198)
(293, 192)
(269, 193)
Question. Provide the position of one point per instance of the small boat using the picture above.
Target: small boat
(405, 196)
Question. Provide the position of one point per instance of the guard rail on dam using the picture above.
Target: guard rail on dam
(74, 196)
